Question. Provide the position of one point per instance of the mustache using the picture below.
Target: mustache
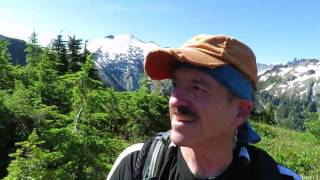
(186, 111)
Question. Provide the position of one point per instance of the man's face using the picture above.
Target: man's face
(201, 111)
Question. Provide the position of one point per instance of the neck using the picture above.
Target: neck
(209, 160)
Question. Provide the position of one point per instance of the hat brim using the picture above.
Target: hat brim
(160, 63)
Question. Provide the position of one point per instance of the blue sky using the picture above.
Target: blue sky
(276, 30)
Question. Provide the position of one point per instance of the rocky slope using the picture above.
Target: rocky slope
(300, 79)
(292, 90)
(119, 60)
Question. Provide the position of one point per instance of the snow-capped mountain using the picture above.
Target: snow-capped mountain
(292, 90)
(262, 68)
(300, 79)
(119, 59)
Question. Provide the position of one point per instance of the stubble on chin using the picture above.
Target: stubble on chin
(178, 139)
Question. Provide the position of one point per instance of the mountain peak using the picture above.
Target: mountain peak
(109, 36)
(119, 59)
(125, 37)
(302, 61)
(299, 78)
(119, 44)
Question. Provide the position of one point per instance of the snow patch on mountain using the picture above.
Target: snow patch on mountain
(262, 68)
(269, 87)
(119, 59)
(119, 44)
(300, 79)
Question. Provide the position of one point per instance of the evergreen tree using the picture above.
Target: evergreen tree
(74, 55)
(271, 115)
(31, 161)
(28, 74)
(17, 119)
(93, 72)
(58, 46)
(85, 51)
(83, 85)
(6, 69)
(7, 132)
(47, 78)
(33, 50)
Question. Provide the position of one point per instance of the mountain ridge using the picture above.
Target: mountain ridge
(292, 89)
(16, 49)
(119, 60)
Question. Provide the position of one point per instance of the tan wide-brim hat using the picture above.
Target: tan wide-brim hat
(204, 50)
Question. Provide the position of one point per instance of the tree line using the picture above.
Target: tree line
(58, 121)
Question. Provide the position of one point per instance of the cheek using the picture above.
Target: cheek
(217, 110)
(172, 100)
(207, 111)
(172, 103)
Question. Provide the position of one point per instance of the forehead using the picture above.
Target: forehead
(190, 74)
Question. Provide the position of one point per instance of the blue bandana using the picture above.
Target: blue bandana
(229, 77)
(234, 81)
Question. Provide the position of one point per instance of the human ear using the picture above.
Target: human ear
(245, 107)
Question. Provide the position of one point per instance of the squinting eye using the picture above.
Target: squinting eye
(198, 90)
(195, 87)
(174, 84)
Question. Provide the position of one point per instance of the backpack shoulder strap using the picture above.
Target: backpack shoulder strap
(263, 164)
(151, 156)
(268, 168)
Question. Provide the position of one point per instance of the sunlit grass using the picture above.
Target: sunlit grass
(296, 150)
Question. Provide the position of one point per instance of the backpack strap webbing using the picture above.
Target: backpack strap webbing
(156, 155)
(140, 161)
(150, 159)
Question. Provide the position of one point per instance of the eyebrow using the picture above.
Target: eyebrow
(200, 81)
(197, 81)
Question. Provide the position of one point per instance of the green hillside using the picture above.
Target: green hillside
(296, 150)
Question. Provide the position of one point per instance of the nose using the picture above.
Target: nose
(179, 96)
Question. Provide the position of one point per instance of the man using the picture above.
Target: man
(214, 80)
